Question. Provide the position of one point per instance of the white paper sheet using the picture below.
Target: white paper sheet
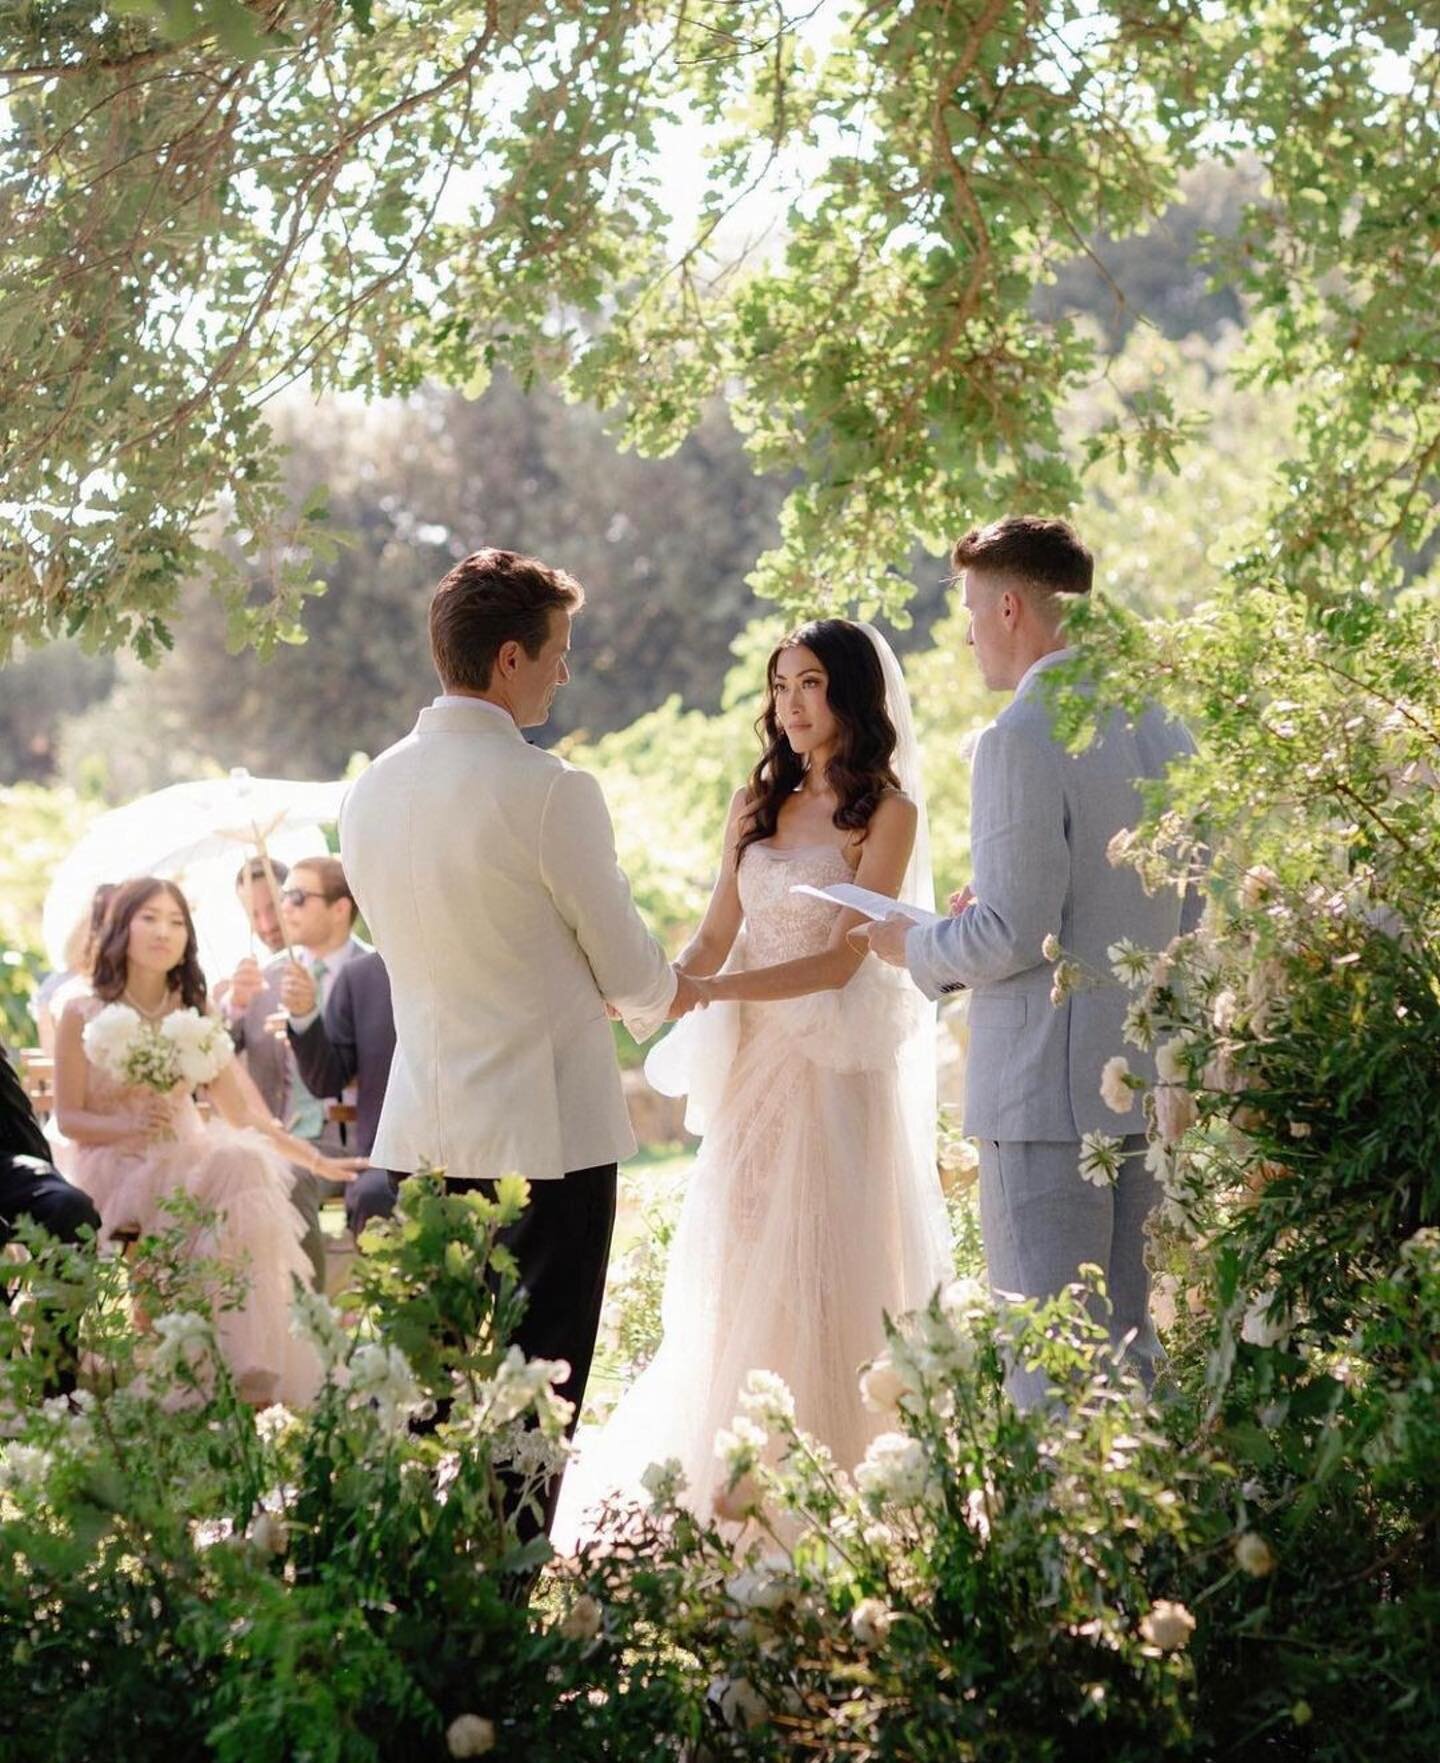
(873, 905)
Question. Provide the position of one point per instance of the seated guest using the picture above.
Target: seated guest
(73, 979)
(252, 890)
(137, 1147)
(351, 1042)
(319, 916)
(31, 1186)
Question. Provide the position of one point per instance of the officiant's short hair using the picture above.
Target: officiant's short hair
(1046, 554)
(489, 599)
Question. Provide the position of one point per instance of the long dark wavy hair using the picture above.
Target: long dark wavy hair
(112, 963)
(862, 768)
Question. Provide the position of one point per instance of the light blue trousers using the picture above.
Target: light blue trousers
(1041, 1222)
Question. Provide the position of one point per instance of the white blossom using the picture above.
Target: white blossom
(201, 1045)
(583, 1620)
(1120, 846)
(110, 1038)
(1114, 1085)
(269, 1534)
(739, 1445)
(1168, 1625)
(884, 1383)
(380, 1376)
(313, 1318)
(470, 1735)
(521, 1384)
(664, 1482)
(766, 1398)
(1253, 1554)
(1138, 1029)
(1051, 948)
(1129, 962)
(1224, 1010)
(1100, 1155)
(870, 1622)
(272, 1423)
(184, 1339)
(895, 1470)
(1170, 1063)
(24, 1468)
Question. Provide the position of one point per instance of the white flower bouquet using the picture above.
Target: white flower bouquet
(183, 1047)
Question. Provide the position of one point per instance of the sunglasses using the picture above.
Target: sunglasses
(298, 896)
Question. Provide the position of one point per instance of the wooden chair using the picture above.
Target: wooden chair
(37, 1078)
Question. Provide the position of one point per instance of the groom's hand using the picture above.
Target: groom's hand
(886, 939)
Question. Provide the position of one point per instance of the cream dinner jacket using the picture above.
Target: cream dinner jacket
(486, 871)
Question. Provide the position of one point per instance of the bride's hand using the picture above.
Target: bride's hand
(157, 1116)
(339, 1168)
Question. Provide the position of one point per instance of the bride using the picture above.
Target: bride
(814, 1206)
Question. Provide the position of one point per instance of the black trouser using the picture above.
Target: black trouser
(561, 1243)
(371, 1195)
(32, 1188)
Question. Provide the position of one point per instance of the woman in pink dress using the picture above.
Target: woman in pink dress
(136, 1147)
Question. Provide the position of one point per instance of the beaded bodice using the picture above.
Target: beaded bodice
(781, 925)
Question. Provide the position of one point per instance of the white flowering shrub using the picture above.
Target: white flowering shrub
(983, 1584)
(182, 1577)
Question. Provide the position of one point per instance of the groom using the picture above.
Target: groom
(486, 871)
(1041, 819)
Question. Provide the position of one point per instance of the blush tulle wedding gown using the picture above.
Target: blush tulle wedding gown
(812, 1209)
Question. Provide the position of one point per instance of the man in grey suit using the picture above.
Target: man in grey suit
(1041, 821)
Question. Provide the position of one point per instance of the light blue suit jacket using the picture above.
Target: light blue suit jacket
(1041, 819)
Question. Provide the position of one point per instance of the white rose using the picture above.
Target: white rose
(583, 1620)
(1175, 1112)
(470, 1735)
(882, 1384)
(894, 1470)
(870, 1622)
(1168, 1626)
(184, 1339)
(1253, 1554)
(1170, 1064)
(1114, 1089)
(767, 1399)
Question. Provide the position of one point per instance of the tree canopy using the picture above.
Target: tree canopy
(206, 201)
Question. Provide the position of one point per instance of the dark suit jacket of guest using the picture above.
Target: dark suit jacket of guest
(352, 1042)
(20, 1134)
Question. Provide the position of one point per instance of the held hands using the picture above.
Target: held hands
(690, 994)
(297, 989)
(959, 902)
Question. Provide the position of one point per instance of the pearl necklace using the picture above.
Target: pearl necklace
(149, 1015)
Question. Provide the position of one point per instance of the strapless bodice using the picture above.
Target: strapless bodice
(781, 925)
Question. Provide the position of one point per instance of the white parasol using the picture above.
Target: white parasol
(197, 834)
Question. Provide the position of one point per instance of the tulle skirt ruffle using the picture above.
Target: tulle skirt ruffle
(812, 1210)
(239, 1175)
